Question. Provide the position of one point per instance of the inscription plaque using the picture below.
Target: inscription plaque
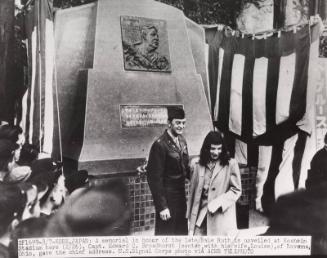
(145, 44)
(144, 115)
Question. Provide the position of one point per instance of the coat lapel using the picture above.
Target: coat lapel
(171, 143)
(182, 144)
(216, 171)
(201, 172)
(201, 179)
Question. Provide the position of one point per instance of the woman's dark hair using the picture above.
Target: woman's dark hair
(213, 137)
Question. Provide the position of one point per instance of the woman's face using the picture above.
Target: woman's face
(215, 151)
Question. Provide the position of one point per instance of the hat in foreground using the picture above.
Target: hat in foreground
(100, 210)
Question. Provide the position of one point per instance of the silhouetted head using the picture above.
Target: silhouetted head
(98, 210)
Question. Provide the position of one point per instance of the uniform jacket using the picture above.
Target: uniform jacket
(225, 189)
(167, 169)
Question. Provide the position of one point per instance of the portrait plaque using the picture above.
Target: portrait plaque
(145, 44)
(132, 116)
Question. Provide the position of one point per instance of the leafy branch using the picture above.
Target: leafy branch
(200, 11)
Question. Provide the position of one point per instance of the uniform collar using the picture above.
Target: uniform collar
(171, 136)
(171, 140)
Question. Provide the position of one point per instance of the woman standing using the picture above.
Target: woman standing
(214, 190)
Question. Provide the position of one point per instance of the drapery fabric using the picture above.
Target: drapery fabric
(262, 93)
(39, 109)
(259, 86)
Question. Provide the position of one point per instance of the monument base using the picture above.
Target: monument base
(114, 106)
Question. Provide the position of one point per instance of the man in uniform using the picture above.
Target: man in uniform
(167, 168)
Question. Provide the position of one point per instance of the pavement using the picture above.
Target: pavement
(258, 224)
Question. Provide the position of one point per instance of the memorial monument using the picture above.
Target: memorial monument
(120, 64)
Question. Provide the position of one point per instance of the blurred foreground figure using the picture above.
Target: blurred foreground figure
(47, 177)
(30, 228)
(12, 133)
(98, 210)
(13, 202)
(305, 212)
(76, 180)
(15, 136)
(7, 153)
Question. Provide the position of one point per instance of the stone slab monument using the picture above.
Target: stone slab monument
(120, 64)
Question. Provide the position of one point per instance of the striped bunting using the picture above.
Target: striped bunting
(217, 91)
(281, 167)
(235, 116)
(259, 103)
(262, 92)
(38, 108)
(259, 85)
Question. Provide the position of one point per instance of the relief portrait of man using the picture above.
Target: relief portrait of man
(145, 55)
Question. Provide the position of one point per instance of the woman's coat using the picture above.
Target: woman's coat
(225, 188)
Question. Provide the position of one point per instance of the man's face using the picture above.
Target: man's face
(177, 126)
(152, 38)
(215, 151)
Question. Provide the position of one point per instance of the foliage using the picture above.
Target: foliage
(70, 3)
(200, 11)
(216, 11)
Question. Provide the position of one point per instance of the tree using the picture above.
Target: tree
(200, 11)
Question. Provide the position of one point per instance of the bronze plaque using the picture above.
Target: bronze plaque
(145, 44)
(143, 115)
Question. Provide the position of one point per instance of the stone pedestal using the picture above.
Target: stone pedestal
(94, 87)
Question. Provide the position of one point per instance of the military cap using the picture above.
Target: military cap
(175, 113)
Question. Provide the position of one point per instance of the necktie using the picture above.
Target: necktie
(177, 142)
